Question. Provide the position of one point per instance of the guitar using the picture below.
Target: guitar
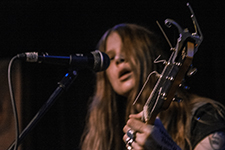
(174, 71)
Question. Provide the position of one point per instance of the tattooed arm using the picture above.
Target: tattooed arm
(215, 141)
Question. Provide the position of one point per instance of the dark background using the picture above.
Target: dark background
(63, 27)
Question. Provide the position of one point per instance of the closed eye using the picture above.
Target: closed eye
(111, 58)
(111, 54)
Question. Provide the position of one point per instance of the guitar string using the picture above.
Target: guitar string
(154, 72)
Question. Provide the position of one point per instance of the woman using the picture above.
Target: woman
(132, 50)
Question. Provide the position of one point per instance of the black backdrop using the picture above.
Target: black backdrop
(63, 27)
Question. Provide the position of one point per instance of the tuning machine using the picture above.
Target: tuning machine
(183, 85)
(177, 99)
(192, 71)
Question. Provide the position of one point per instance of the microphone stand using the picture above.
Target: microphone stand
(63, 85)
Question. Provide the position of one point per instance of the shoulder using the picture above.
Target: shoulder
(207, 119)
(214, 141)
(208, 113)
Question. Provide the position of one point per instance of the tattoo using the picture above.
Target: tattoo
(217, 140)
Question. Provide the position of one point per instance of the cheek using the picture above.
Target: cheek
(110, 73)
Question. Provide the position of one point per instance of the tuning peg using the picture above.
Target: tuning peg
(185, 87)
(191, 71)
(177, 99)
(182, 85)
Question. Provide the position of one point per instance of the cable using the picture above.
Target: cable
(13, 103)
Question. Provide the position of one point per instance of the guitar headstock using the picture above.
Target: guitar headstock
(174, 71)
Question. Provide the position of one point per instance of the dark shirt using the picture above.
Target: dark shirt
(206, 120)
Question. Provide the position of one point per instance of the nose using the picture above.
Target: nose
(120, 59)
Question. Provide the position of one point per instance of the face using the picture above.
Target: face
(119, 71)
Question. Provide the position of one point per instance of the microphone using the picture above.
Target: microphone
(96, 60)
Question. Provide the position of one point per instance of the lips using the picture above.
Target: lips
(124, 74)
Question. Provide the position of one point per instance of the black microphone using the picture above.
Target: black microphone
(96, 60)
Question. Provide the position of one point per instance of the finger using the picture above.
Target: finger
(125, 137)
(136, 146)
(141, 138)
(139, 126)
(126, 128)
(139, 141)
(137, 116)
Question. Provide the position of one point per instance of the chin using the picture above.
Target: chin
(125, 88)
(128, 86)
(126, 91)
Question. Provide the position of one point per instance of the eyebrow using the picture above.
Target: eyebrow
(110, 52)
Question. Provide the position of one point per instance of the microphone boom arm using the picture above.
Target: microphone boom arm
(64, 84)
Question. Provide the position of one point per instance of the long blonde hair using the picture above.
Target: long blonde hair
(102, 131)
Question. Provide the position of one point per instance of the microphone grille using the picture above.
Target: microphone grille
(101, 61)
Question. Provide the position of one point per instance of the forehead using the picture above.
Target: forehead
(113, 42)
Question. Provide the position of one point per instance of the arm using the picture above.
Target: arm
(215, 141)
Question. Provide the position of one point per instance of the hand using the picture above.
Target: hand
(148, 137)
